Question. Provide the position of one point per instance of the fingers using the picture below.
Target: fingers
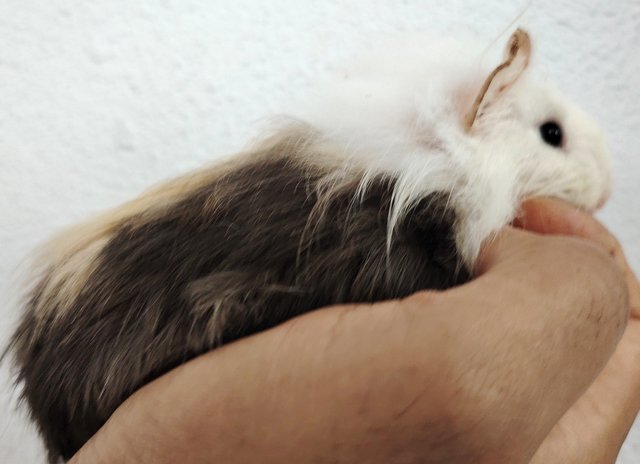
(543, 316)
(548, 216)
(553, 217)
(595, 427)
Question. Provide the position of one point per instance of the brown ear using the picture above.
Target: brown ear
(516, 61)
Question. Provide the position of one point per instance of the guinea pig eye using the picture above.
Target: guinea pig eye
(551, 133)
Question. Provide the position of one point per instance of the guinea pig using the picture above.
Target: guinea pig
(385, 184)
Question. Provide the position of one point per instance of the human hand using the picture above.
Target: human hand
(485, 372)
(594, 428)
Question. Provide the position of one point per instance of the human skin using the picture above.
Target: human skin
(529, 362)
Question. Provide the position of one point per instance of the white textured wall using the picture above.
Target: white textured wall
(98, 99)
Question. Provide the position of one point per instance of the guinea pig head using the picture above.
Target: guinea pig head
(559, 150)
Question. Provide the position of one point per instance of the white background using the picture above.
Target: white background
(99, 99)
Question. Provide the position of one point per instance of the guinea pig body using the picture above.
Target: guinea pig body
(388, 187)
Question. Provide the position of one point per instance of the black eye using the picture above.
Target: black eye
(551, 133)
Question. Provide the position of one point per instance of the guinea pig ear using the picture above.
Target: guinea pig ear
(516, 61)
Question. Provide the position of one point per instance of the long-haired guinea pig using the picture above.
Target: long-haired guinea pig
(386, 185)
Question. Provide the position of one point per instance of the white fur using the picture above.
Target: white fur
(399, 111)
